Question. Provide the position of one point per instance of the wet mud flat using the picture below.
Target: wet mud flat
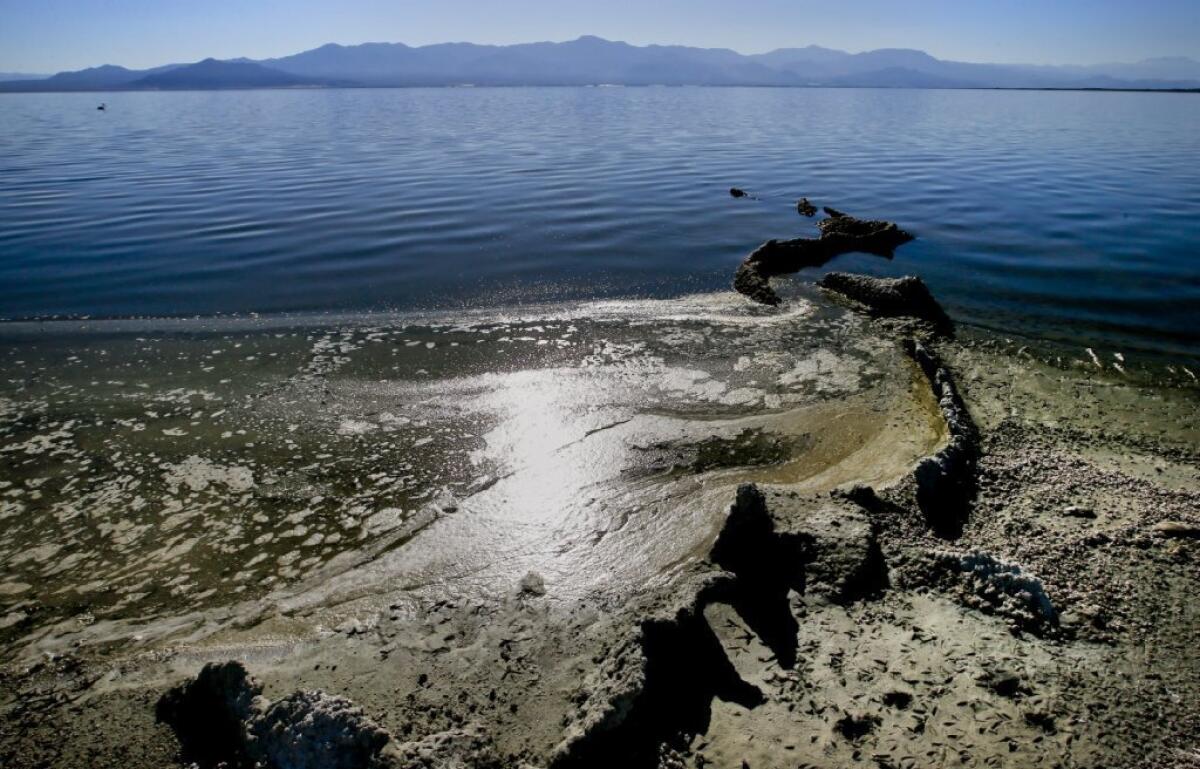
(688, 533)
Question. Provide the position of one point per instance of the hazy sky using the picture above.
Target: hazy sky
(53, 35)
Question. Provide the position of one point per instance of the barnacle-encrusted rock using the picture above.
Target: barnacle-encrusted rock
(840, 234)
(890, 297)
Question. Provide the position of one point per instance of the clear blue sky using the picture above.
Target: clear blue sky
(53, 35)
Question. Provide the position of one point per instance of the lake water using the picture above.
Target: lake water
(1073, 216)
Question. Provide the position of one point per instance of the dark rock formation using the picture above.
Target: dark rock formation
(946, 480)
(978, 580)
(656, 687)
(826, 548)
(890, 297)
(222, 719)
(314, 730)
(211, 713)
(840, 234)
(868, 235)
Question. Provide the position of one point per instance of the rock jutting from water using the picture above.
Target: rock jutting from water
(890, 297)
(840, 234)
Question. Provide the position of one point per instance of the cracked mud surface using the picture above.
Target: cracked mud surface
(555, 579)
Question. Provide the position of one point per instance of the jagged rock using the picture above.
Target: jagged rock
(221, 717)
(751, 281)
(826, 547)
(749, 546)
(1000, 588)
(211, 714)
(315, 730)
(840, 234)
(657, 684)
(532, 585)
(844, 560)
(466, 748)
(869, 235)
(946, 480)
(889, 297)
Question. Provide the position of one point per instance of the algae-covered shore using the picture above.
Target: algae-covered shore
(684, 533)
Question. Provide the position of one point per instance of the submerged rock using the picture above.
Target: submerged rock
(840, 234)
(890, 297)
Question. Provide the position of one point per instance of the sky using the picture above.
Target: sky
(46, 36)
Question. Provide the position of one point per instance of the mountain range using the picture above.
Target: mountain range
(595, 61)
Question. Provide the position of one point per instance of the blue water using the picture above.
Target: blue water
(1066, 215)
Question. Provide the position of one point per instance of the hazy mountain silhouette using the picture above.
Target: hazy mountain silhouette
(586, 61)
(107, 77)
(210, 74)
(595, 61)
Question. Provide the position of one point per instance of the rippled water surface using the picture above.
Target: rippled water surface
(1069, 215)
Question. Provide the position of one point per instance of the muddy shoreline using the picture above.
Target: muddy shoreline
(958, 558)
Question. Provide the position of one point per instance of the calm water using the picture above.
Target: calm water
(1067, 215)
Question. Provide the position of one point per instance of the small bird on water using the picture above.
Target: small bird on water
(103, 107)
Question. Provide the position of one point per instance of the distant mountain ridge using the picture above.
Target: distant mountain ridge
(210, 74)
(592, 60)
